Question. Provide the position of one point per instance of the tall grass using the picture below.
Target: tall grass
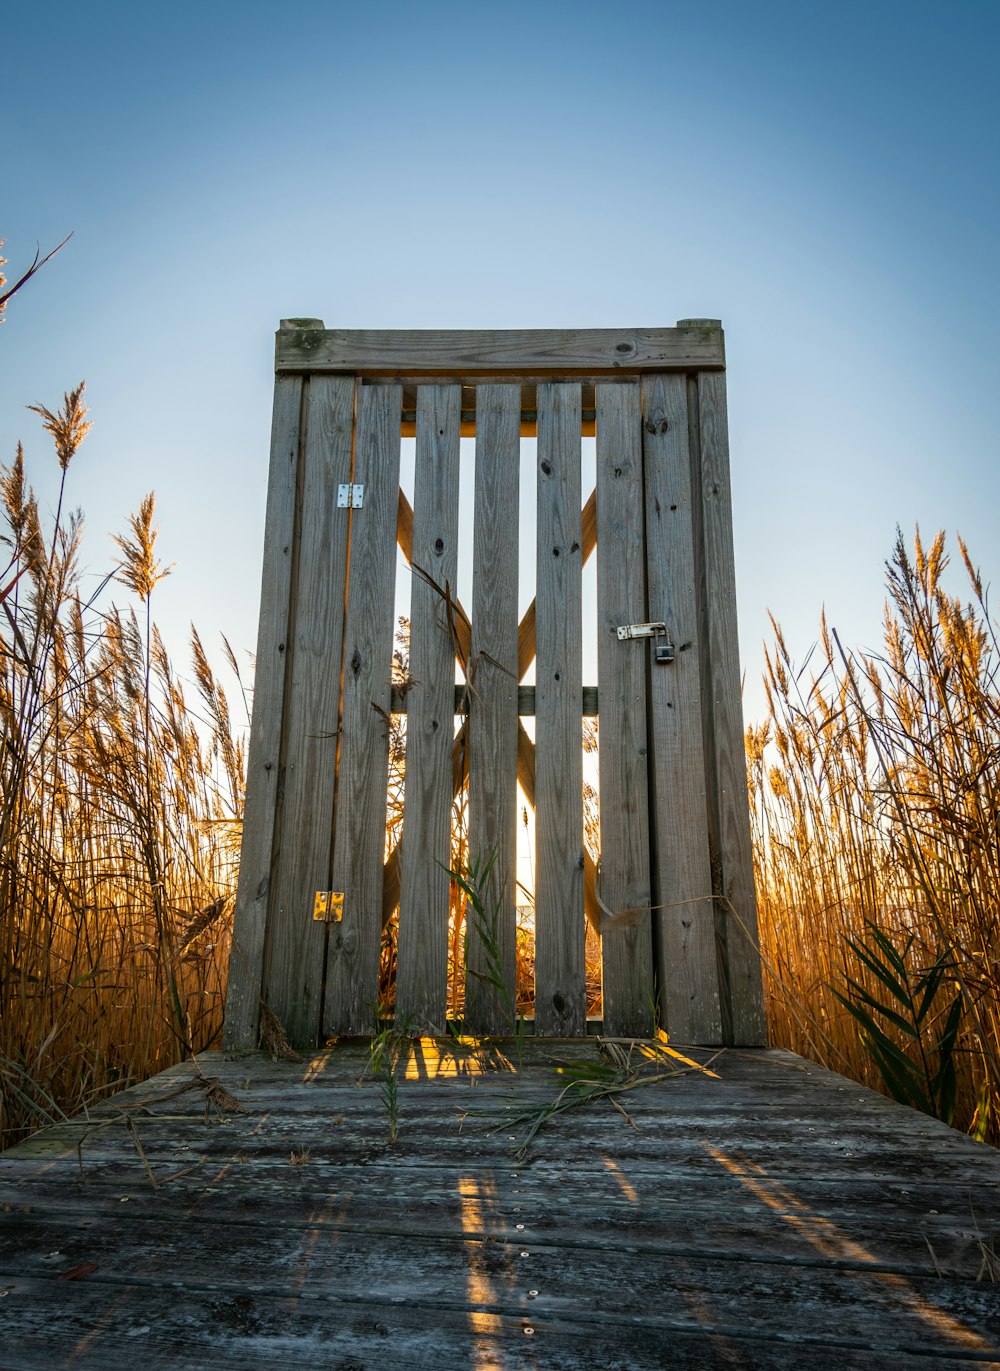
(875, 795)
(118, 817)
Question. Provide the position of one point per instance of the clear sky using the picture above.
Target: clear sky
(821, 177)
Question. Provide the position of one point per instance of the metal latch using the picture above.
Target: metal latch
(663, 651)
(329, 906)
(350, 497)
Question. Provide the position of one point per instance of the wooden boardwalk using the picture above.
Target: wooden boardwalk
(776, 1216)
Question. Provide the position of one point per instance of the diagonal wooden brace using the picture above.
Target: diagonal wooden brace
(525, 746)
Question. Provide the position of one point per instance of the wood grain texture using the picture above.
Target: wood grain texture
(422, 962)
(359, 826)
(526, 628)
(438, 352)
(621, 670)
(301, 863)
(736, 920)
(441, 1249)
(246, 960)
(687, 968)
(493, 725)
(560, 997)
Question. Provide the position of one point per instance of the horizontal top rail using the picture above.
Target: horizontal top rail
(304, 345)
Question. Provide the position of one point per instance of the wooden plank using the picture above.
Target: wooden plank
(560, 992)
(626, 947)
(526, 628)
(684, 923)
(493, 707)
(439, 1324)
(422, 961)
(437, 1263)
(699, 345)
(246, 960)
(302, 856)
(359, 825)
(736, 918)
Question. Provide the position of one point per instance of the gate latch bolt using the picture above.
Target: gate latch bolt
(663, 648)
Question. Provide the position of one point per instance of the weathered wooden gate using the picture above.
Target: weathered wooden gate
(674, 896)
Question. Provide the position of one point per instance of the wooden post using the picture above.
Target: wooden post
(684, 921)
(729, 815)
(301, 861)
(246, 960)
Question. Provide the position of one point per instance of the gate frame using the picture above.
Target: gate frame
(694, 349)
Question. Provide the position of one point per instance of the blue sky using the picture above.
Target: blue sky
(822, 178)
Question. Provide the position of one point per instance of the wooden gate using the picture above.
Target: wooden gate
(673, 897)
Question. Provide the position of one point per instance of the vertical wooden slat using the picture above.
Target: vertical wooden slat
(560, 992)
(493, 704)
(729, 809)
(621, 666)
(302, 863)
(246, 959)
(687, 967)
(422, 963)
(359, 821)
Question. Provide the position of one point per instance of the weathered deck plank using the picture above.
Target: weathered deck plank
(775, 1216)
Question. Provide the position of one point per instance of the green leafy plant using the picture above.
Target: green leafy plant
(386, 1049)
(924, 1076)
(483, 913)
(628, 1064)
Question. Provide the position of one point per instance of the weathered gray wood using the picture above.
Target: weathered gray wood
(736, 918)
(493, 708)
(359, 824)
(422, 962)
(301, 864)
(626, 946)
(779, 1176)
(698, 346)
(246, 960)
(560, 992)
(687, 967)
(426, 1329)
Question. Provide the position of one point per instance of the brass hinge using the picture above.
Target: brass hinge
(328, 906)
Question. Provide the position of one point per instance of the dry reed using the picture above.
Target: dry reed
(875, 794)
(118, 819)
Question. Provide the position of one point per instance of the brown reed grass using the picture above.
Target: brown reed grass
(119, 817)
(875, 795)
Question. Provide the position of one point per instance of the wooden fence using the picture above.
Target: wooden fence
(673, 898)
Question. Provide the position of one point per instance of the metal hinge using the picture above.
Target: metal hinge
(350, 497)
(663, 651)
(329, 906)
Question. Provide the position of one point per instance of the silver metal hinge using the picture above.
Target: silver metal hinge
(350, 497)
(328, 906)
(663, 652)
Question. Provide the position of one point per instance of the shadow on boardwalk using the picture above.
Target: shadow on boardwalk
(778, 1216)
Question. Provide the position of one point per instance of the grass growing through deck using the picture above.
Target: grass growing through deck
(119, 808)
(875, 796)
